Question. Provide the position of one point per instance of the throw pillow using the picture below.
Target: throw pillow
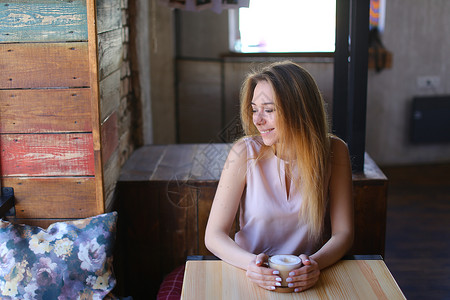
(68, 260)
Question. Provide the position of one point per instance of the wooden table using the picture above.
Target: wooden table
(347, 279)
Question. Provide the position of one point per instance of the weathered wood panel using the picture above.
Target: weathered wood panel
(370, 217)
(40, 111)
(111, 172)
(200, 101)
(43, 21)
(43, 65)
(110, 137)
(109, 52)
(142, 163)
(176, 163)
(53, 197)
(178, 236)
(109, 94)
(46, 154)
(109, 15)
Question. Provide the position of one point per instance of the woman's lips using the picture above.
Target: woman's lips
(266, 131)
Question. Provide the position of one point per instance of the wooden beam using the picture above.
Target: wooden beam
(95, 102)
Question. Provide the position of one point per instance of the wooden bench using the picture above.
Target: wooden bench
(165, 194)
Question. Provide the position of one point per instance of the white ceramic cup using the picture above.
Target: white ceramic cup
(284, 263)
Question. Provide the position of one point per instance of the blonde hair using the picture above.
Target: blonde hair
(302, 128)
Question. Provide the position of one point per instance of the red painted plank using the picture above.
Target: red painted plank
(47, 154)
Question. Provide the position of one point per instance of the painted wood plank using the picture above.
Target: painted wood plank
(109, 15)
(109, 52)
(40, 111)
(62, 197)
(43, 65)
(46, 154)
(43, 21)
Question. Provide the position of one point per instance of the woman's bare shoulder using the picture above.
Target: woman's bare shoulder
(339, 149)
(239, 147)
(238, 153)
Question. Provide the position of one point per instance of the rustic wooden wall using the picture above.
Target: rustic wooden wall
(47, 102)
(65, 105)
(117, 102)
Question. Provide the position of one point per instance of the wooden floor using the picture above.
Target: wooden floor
(418, 230)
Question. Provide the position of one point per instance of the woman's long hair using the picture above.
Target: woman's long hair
(302, 128)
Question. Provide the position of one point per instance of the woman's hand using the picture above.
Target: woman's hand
(306, 276)
(259, 273)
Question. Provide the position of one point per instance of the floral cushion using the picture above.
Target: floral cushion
(69, 260)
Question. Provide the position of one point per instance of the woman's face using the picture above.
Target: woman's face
(264, 115)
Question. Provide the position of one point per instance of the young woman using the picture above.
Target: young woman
(289, 177)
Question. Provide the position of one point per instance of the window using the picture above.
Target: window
(284, 26)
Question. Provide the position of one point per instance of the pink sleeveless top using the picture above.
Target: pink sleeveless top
(269, 219)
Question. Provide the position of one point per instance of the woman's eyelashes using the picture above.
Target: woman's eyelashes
(266, 110)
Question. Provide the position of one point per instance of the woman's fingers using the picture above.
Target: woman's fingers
(268, 280)
(305, 259)
(261, 275)
(306, 276)
(261, 259)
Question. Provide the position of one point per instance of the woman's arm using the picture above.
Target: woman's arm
(341, 214)
(224, 209)
(341, 207)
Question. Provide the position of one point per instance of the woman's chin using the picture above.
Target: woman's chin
(268, 141)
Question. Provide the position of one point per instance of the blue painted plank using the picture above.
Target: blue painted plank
(43, 21)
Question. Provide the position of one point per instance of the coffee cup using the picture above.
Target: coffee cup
(284, 263)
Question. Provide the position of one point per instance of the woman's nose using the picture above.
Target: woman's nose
(258, 118)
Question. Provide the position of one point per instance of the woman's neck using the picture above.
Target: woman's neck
(281, 153)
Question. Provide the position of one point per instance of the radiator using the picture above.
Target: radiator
(430, 120)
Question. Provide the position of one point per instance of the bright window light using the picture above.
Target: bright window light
(287, 26)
